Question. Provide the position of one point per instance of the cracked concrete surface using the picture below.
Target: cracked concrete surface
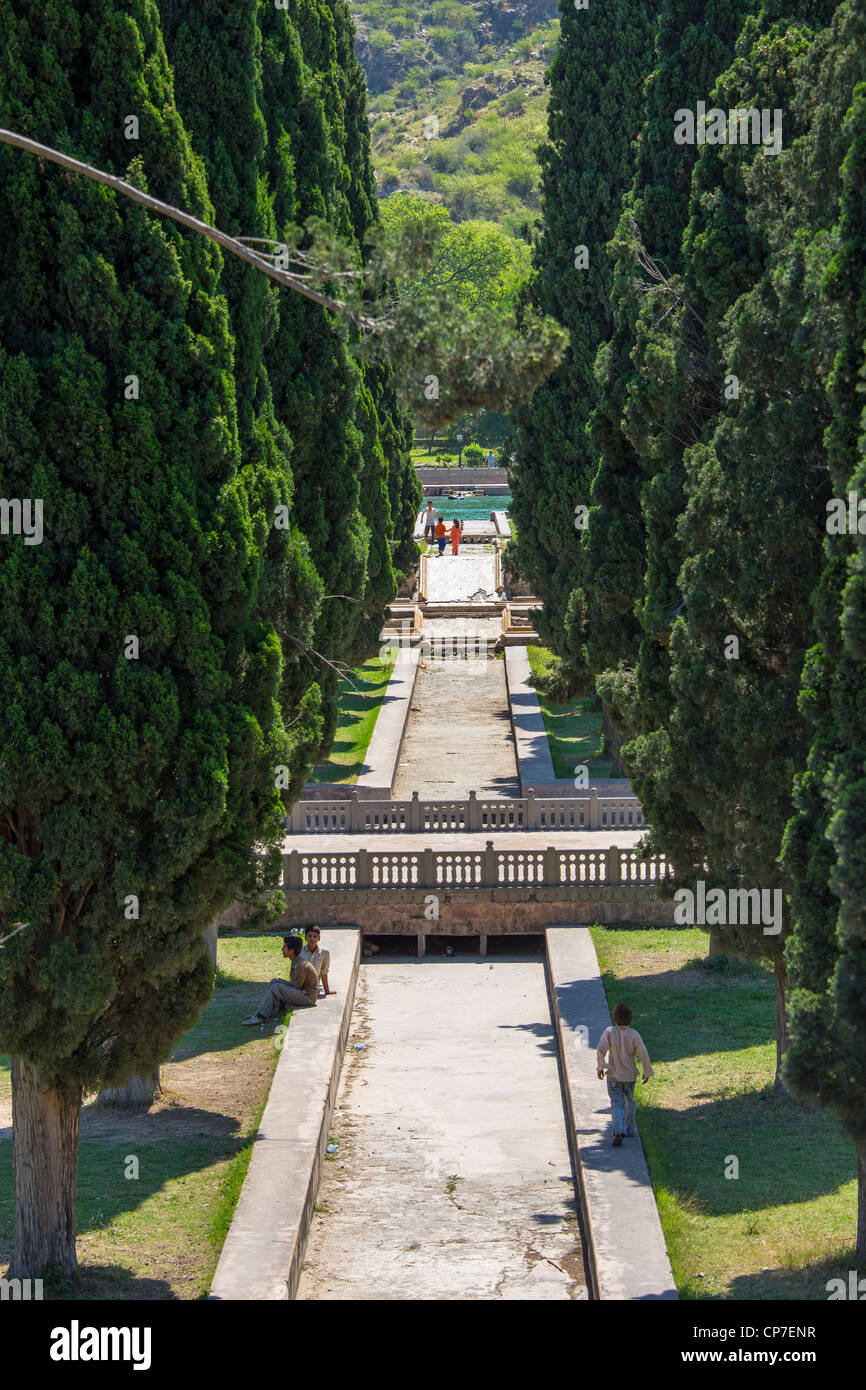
(458, 737)
(452, 1179)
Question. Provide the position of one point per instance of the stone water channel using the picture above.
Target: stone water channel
(452, 1176)
(458, 738)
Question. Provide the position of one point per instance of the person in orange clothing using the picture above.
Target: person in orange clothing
(440, 533)
(456, 534)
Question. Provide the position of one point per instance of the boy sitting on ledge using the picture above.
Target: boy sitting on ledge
(300, 991)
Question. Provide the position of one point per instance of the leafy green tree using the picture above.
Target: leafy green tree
(714, 697)
(477, 260)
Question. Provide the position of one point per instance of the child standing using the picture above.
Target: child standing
(621, 1044)
(456, 534)
(440, 534)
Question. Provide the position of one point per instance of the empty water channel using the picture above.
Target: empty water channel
(452, 1176)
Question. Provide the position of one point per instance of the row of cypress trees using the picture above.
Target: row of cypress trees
(709, 410)
(160, 647)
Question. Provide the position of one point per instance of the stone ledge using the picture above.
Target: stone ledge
(626, 1248)
(264, 1249)
(534, 763)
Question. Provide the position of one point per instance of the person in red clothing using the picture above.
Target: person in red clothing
(440, 534)
(456, 534)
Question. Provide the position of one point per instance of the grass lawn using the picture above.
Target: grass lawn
(574, 731)
(360, 702)
(159, 1235)
(787, 1223)
(422, 459)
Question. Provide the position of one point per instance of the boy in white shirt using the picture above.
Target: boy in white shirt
(318, 957)
(620, 1045)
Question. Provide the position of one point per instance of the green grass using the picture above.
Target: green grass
(360, 702)
(787, 1224)
(158, 1236)
(574, 731)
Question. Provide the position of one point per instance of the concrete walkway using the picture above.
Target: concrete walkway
(459, 737)
(453, 1178)
(261, 1258)
(465, 840)
(461, 578)
(628, 1254)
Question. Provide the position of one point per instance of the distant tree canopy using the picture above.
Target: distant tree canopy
(477, 260)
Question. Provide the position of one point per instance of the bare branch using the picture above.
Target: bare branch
(228, 243)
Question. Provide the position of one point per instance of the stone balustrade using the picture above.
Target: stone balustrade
(490, 868)
(353, 814)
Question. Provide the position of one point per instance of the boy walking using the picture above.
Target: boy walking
(620, 1045)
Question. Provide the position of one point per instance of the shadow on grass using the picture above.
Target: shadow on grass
(806, 1283)
(690, 1150)
(98, 1282)
(222, 1029)
(686, 1012)
(163, 1155)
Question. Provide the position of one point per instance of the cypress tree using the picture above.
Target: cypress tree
(595, 83)
(141, 667)
(298, 147)
(720, 738)
(824, 849)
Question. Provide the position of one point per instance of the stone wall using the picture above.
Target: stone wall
(465, 914)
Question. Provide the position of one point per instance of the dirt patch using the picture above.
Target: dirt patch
(211, 1095)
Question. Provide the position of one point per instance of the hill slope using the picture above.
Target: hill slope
(458, 100)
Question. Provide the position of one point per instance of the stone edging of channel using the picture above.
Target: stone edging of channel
(625, 1246)
(264, 1249)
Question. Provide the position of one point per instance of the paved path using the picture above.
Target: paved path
(460, 578)
(467, 840)
(459, 737)
(452, 1179)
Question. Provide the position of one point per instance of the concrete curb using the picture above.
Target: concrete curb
(628, 1257)
(264, 1249)
(534, 763)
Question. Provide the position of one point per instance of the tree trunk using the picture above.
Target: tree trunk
(780, 980)
(139, 1090)
(860, 1259)
(45, 1163)
(613, 742)
(717, 946)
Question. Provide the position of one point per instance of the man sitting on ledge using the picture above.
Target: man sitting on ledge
(300, 991)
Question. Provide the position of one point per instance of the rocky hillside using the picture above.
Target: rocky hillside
(458, 100)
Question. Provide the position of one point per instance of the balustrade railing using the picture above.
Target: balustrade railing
(331, 871)
(352, 814)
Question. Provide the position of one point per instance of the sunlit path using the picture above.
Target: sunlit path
(452, 1179)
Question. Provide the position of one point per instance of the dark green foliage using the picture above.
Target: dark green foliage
(595, 84)
(150, 777)
(297, 147)
(719, 739)
(824, 844)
